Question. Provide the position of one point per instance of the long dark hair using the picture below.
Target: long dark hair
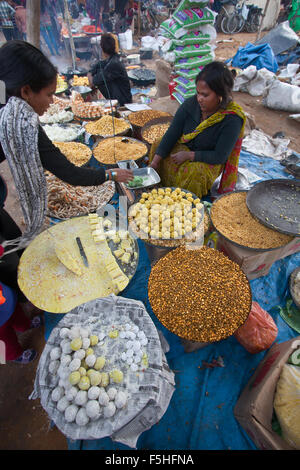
(108, 44)
(219, 79)
(23, 64)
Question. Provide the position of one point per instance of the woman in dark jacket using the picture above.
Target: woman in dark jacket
(110, 75)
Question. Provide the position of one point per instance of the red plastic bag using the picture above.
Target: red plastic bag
(258, 332)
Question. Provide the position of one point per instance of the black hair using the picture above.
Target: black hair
(23, 64)
(108, 44)
(219, 79)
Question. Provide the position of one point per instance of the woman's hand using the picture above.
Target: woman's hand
(121, 176)
(155, 162)
(182, 156)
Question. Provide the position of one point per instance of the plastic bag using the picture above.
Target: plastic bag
(125, 40)
(286, 404)
(258, 332)
(194, 18)
(192, 50)
(193, 62)
(282, 96)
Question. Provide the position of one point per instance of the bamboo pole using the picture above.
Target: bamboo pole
(262, 20)
(72, 45)
(33, 12)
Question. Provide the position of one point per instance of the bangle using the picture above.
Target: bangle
(113, 175)
(106, 176)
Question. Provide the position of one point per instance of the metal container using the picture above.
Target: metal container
(152, 176)
(156, 252)
(161, 120)
(108, 166)
(84, 91)
(133, 59)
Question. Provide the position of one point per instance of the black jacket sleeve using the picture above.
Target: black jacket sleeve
(54, 161)
(224, 144)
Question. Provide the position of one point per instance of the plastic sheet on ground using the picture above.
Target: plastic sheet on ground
(262, 56)
(200, 415)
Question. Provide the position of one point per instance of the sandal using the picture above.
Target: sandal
(27, 356)
(37, 321)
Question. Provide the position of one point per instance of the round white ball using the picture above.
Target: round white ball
(90, 360)
(67, 348)
(74, 364)
(93, 393)
(112, 392)
(74, 332)
(93, 410)
(57, 393)
(64, 333)
(65, 360)
(80, 354)
(81, 398)
(62, 404)
(86, 343)
(134, 367)
(81, 418)
(103, 398)
(53, 367)
(84, 332)
(109, 410)
(71, 393)
(121, 399)
(70, 413)
(55, 353)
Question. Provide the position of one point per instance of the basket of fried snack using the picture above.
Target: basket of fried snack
(109, 151)
(107, 126)
(77, 153)
(139, 119)
(155, 129)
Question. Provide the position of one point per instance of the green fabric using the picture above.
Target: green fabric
(294, 16)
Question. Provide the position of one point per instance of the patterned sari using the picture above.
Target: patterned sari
(198, 177)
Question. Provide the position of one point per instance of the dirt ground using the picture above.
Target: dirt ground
(24, 423)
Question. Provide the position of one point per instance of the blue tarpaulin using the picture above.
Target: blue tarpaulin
(200, 415)
(262, 56)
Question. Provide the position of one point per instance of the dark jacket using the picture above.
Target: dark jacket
(111, 78)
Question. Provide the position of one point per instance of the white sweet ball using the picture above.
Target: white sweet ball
(80, 354)
(55, 353)
(101, 336)
(67, 384)
(86, 343)
(131, 335)
(122, 334)
(141, 334)
(66, 347)
(93, 392)
(70, 413)
(61, 383)
(109, 410)
(129, 360)
(127, 326)
(57, 393)
(134, 367)
(62, 404)
(90, 360)
(137, 359)
(84, 332)
(65, 360)
(112, 392)
(136, 346)
(135, 328)
(93, 410)
(64, 332)
(103, 398)
(53, 366)
(81, 398)
(121, 399)
(74, 364)
(129, 344)
(129, 352)
(74, 332)
(63, 372)
(71, 393)
(123, 356)
(81, 418)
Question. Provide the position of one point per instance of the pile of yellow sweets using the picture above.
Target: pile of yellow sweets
(166, 214)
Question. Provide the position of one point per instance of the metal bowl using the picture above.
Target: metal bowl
(109, 166)
(161, 120)
(82, 90)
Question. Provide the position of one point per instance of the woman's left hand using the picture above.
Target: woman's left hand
(182, 156)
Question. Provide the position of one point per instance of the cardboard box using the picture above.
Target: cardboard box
(254, 408)
(256, 264)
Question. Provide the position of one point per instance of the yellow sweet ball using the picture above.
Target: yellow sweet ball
(100, 362)
(89, 351)
(74, 377)
(145, 195)
(104, 379)
(89, 372)
(76, 344)
(113, 334)
(197, 201)
(84, 383)
(84, 364)
(116, 376)
(82, 371)
(94, 340)
(95, 377)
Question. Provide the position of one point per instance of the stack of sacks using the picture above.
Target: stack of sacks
(190, 34)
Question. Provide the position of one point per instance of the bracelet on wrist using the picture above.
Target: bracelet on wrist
(107, 176)
(113, 175)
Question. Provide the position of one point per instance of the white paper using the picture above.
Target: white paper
(136, 107)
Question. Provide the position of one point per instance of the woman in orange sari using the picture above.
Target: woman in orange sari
(204, 138)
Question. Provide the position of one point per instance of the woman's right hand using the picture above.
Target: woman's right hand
(121, 176)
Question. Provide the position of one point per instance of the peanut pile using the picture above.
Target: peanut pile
(140, 118)
(155, 132)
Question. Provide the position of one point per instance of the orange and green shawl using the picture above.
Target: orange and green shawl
(230, 172)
